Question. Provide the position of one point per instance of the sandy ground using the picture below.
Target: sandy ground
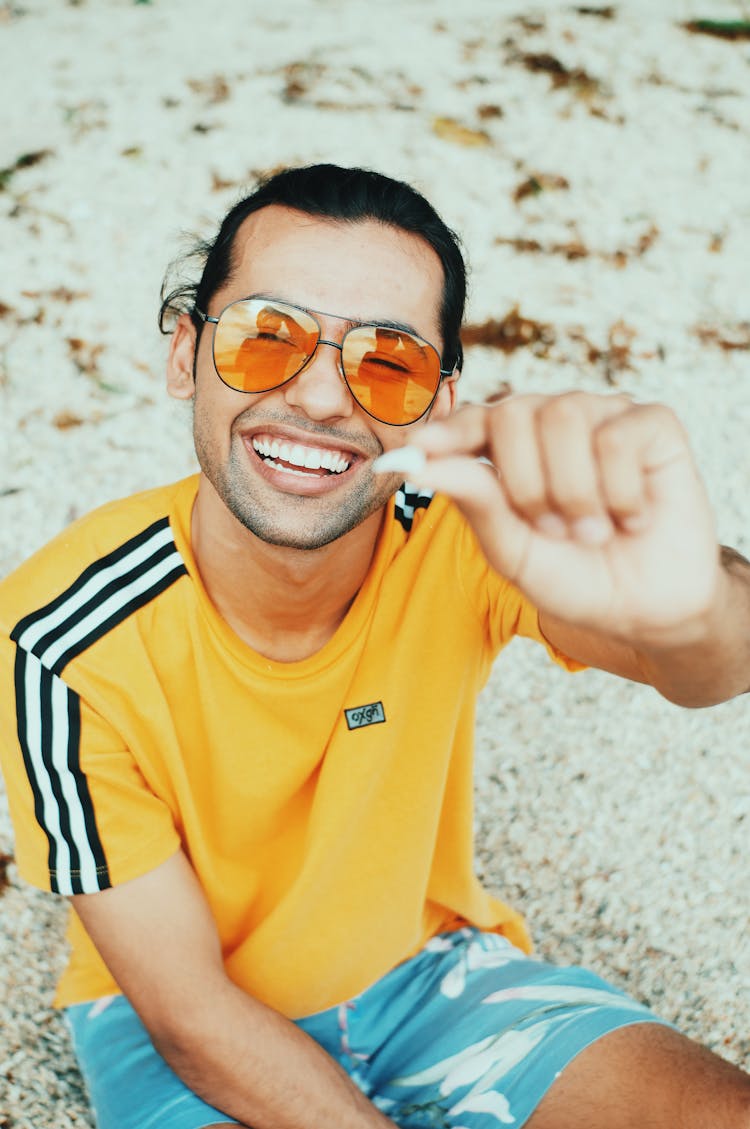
(596, 164)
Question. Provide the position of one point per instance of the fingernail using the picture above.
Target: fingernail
(592, 530)
(405, 460)
(551, 525)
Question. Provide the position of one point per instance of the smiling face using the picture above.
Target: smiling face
(294, 465)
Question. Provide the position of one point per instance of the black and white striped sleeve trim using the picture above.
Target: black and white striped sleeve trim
(408, 500)
(48, 711)
(105, 594)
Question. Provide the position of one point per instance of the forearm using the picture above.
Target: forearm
(714, 664)
(259, 1067)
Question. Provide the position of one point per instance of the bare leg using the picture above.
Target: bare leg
(646, 1077)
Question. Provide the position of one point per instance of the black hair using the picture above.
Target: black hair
(339, 194)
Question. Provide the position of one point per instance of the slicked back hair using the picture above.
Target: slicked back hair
(333, 192)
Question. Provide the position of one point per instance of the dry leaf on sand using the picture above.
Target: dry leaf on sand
(451, 130)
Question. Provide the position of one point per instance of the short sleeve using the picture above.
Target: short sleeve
(84, 818)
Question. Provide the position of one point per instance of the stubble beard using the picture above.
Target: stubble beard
(297, 521)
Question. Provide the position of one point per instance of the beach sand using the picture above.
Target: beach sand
(595, 161)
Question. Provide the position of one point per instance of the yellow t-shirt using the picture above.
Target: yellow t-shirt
(325, 805)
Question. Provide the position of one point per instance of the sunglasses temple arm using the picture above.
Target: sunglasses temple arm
(204, 317)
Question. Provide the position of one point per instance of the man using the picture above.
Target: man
(238, 711)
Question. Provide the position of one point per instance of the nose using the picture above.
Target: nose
(320, 390)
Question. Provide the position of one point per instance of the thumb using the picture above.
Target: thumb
(473, 484)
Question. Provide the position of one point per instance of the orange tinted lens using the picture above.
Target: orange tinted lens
(259, 344)
(392, 374)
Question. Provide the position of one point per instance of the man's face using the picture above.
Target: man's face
(366, 272)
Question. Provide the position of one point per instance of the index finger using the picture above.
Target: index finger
(467, 431)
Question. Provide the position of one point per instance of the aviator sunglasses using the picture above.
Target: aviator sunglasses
(261, 343)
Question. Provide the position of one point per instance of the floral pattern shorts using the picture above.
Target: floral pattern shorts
(468, 1034)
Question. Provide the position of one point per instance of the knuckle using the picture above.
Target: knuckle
(568, 407)
(624, 494)
(610, 439)
(666, 417)
(573, 495)
(511, 411)
(578, 505)
(657, 412)
(524, 488)
(529, 503)
(622, 400)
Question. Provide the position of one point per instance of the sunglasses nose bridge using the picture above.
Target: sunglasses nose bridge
(321, 392)
(342, 371)
(335, 345)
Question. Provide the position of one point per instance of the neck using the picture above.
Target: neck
(284, 603)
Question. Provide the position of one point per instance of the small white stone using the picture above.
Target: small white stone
(406, 460)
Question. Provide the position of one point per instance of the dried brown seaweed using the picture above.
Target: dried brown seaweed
(85, 356)
(65, 420)
(511, 332)
(215, 89)
(606, 13)
(25, 161)
(720, 29)
(5, 861)
(729, 338)
(537, 183)
(575, 248)
(451, 130)
(616, 357)
(58, 294)
(576, 77)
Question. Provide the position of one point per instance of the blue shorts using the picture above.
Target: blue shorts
(470, 1032)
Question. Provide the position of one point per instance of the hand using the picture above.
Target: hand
(592, 505)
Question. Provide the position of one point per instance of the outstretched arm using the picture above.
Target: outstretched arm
(594, 507)
(158, 938)
(701, 672)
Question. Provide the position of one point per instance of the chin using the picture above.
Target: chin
(303, 530)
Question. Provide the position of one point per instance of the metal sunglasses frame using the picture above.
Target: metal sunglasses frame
(206, 318)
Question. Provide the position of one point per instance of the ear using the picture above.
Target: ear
(180, 382)
(445, 401)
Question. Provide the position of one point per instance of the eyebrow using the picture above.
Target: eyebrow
(352, 323)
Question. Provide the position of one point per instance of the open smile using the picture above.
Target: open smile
(295, 463)
(298, 458)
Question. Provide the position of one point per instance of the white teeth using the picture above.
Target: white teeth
(334, 462)
(308, 458)
(287, 469)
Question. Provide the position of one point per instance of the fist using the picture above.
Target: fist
(591, 504)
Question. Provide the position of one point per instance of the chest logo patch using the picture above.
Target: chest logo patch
(360, 716)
